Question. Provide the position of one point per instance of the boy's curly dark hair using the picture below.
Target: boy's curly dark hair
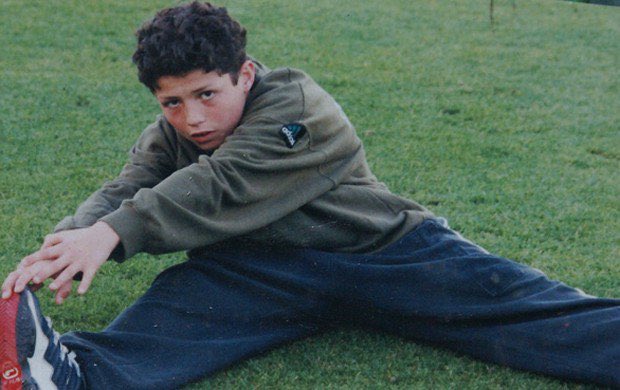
(193, 36)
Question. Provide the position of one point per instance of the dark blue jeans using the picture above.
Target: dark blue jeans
(432, 286)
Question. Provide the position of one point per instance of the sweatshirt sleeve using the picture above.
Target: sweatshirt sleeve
(150, 161)
(255, 178)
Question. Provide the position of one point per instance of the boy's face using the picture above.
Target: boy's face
(204, 107)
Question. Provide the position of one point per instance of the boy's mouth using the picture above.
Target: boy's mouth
(202, 137)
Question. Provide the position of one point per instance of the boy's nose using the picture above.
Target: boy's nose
(194, 114)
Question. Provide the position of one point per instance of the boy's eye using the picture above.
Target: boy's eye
(207, 95)
(171, 103)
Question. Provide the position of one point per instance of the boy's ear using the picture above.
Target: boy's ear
(246, 75)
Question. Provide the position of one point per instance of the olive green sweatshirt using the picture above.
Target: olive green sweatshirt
(293, 173)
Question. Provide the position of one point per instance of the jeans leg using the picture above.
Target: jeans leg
(200, 317)
(436, 287)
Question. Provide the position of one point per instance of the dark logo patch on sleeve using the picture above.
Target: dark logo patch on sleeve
(292, 133)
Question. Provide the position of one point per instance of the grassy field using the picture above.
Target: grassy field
(512, 132)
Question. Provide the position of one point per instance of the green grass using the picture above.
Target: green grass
(512, 132)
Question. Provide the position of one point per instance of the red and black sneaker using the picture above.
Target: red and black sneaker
(31, 357)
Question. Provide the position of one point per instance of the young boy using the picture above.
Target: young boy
(259, 175)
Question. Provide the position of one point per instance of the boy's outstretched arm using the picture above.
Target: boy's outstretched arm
(61, 257)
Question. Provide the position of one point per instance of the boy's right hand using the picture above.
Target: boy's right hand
(61, 257)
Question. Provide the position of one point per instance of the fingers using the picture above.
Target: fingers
(51, 240)
(63, 292)
(66, 276)
(17, 280)
(62, 256)
(35, 287)
(49, 253)
(87, 279)
(9, 284)
(21, 279)
(29, 274)
(35, 268)
(49, 269)
(63, 276)
(22, 275)
(39, 272)
(14, 283)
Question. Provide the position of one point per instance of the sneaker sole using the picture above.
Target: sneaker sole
(9, 360)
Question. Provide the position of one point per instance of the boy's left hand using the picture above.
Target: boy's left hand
(61, 257)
